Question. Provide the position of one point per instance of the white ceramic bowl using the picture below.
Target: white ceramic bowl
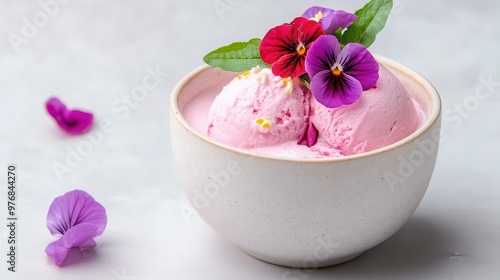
(304, 212)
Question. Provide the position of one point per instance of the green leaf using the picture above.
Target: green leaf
(339, 34)
(371, 20)
(304, 78)
(236, 57)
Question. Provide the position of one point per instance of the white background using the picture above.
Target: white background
(92, 54)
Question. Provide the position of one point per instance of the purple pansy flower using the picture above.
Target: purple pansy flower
(338, 77)
(77, 218)
(71, 121)
(330, 20)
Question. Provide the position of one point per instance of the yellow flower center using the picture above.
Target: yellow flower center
(337, 71)
(301, 49)
(317, 17)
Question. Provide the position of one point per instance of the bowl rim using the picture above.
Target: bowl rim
(434, 116)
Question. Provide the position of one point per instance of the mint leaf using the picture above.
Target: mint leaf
(371, 20)
(306, 80)
(339, 34)
(236, 57)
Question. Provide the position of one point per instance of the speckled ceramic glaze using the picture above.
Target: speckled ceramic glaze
(304, 212)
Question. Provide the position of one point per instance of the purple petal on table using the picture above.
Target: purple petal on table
(55, 107)
(76, 122)
(71, 121)
(57, 251)
(74, 208)
(77, 236)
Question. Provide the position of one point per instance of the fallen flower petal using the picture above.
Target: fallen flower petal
(80, 236)
(309, 136)
(71, 121)
(73, 208)
(77, 218)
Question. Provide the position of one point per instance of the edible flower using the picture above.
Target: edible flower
(338, 77)
(77, 219)
(330, 20)
(325, 48)
(309, 136)
(285, 46)
(71, 121)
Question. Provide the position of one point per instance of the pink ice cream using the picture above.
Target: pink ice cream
(290, 149)
(267, 114)
(381, 116)
(258, 109)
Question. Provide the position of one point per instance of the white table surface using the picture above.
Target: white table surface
(92, 54)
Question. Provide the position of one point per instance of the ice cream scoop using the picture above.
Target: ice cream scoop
(381, 116)
(259, 109)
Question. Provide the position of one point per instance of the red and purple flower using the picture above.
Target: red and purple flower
(309, 48)
(285, 46)
(338, 77)
(330, 20)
